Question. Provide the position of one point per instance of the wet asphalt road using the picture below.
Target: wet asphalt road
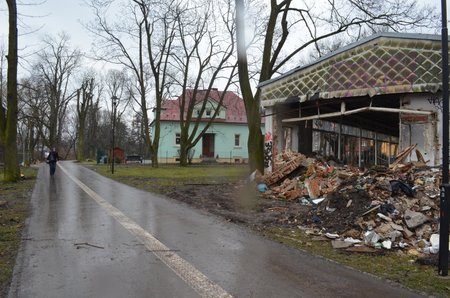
(89, 236)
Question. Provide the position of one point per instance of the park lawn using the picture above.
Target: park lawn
(396, 265)
(165, 177)
(14, 210)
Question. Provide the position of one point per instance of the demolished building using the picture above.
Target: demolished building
(360, 105)
(368, 107)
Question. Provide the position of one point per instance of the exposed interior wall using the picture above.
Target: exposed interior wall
(268, 139)
(425, 131)
(278, 136)
(420, 129)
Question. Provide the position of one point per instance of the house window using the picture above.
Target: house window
(177, 138)
(237, 140)
(208, 113)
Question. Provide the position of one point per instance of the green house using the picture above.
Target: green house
(225, 141)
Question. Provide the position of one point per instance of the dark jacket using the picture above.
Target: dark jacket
(53, 156)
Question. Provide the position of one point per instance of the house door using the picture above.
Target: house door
(208, 145)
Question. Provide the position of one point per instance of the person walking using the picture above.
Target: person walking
(52, 158)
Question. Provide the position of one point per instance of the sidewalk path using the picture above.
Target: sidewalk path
(89, 236)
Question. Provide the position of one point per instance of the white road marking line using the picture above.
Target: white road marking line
(194, 278)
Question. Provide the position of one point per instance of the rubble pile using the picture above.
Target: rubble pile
(380, 207)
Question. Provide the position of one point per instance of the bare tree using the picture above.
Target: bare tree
(141, 41)
(204, 59)
(85, 103)
(8, 114)
(33, 111)
(317, 23)
(160, 30)
(28, 120)
(54, 69)
(118, 86)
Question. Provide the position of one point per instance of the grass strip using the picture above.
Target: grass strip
(14, 210)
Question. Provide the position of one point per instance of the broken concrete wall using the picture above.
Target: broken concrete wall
(268, 139)
(423, 130)
(278, 136)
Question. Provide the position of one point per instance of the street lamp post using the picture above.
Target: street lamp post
(114, 108)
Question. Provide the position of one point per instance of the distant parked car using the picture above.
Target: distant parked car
(133, 159)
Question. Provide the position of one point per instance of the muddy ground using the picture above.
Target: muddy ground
(242, 203)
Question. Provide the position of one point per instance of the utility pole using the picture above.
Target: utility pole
(445, 187)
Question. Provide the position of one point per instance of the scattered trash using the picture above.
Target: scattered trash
(349, 203)
(331, 236)
(352, 241)
(252, 176)
(318, 201)
(370, 237)
(340, 244)
(387, 209)
(434, 245)
(402, 244)
(387, 244)
(393, 207)
(330, 209)
(262, 187)
(305, 201)
(382, 216)
(399, 185)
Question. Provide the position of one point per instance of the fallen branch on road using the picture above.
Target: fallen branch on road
(88, 244)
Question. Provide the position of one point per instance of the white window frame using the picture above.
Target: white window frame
(238, 139)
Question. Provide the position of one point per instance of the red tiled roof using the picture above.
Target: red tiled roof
(234, 105)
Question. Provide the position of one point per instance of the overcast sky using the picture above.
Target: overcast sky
(57, 15)
(54, 16)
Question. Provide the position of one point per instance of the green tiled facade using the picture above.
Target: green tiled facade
(381, 65)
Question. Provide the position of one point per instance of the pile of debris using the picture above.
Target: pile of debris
(381, 207)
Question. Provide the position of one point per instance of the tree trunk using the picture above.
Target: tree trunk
(255, 140)
(156, 134)
(183, 157)
(80, 144)
(184, 145)
(12, 171)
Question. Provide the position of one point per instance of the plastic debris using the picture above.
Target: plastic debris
(371, 238)
(252, 176)
(353, 241)
(318, 201)
(262, 187)
(398, 186)
(331, 236)
(387, 244)
(434, 245)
